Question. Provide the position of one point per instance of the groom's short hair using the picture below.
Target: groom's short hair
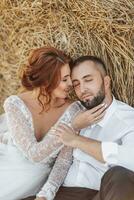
(98, 61)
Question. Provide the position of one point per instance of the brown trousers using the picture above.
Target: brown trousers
(117, 184)
(75, 193)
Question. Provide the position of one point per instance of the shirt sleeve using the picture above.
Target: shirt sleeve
(57, 174)
(120, 154)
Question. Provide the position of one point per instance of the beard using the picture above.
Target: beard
(98, 99)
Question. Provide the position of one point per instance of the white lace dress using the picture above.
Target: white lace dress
(25, 164)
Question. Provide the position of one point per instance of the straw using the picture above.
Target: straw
(104, 28)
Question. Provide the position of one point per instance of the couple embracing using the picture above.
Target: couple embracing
(54, 148)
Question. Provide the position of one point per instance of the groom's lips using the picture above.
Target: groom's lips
(86, 97)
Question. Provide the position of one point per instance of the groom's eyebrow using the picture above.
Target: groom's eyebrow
(86, 76)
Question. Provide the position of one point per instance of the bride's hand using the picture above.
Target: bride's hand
(89, 117)
(66, 134)
(40, 198)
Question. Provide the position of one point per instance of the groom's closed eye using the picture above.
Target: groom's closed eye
(88, 80)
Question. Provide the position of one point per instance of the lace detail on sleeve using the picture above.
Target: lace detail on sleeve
(57, 174)
(3, 139)
(3, 129)
(21, 129)
(63, 161)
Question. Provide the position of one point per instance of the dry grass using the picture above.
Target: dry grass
(99, 27)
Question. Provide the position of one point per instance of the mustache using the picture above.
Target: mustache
(86, 94)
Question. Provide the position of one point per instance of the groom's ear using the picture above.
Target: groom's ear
(107, 82)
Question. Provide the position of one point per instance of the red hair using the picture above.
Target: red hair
(43, 71)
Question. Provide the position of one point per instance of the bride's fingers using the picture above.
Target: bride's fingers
(65, 127)
(95, 109)
(100, 117)
(61, 126)
(99, 112)
(56, 131)
(58, 135)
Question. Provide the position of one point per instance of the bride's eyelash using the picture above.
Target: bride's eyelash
(64, 80)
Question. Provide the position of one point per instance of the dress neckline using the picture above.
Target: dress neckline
(31, 118)
(27, 111)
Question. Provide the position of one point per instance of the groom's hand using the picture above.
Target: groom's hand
(89, 117)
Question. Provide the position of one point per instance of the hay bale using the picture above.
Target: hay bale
(98, 27)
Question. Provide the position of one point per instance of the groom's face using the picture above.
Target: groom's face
(88, 84)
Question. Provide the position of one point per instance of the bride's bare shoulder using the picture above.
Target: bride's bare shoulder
(24, 95)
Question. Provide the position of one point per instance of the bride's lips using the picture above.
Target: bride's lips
(68, 90)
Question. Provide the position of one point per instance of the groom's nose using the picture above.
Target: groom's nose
(82, 88)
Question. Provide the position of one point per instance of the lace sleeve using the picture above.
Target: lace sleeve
(23, 134)
(3, 129)
(3, 139)
(63, 161)
(57, 174)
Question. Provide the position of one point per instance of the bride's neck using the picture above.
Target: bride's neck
(55, 102)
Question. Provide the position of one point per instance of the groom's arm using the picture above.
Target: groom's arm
(108, 152)
(69, 138)
(89, 146)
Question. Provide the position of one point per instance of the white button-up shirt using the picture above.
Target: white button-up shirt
(116, 132)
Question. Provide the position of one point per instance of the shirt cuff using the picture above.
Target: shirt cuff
(110, 152)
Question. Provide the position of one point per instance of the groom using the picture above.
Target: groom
(103, 155)
(103, 163)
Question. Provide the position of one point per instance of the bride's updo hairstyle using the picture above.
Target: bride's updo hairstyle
(43, 71)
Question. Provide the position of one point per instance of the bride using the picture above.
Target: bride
(30, 154)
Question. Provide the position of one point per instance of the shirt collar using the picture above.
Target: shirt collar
(109, 111)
